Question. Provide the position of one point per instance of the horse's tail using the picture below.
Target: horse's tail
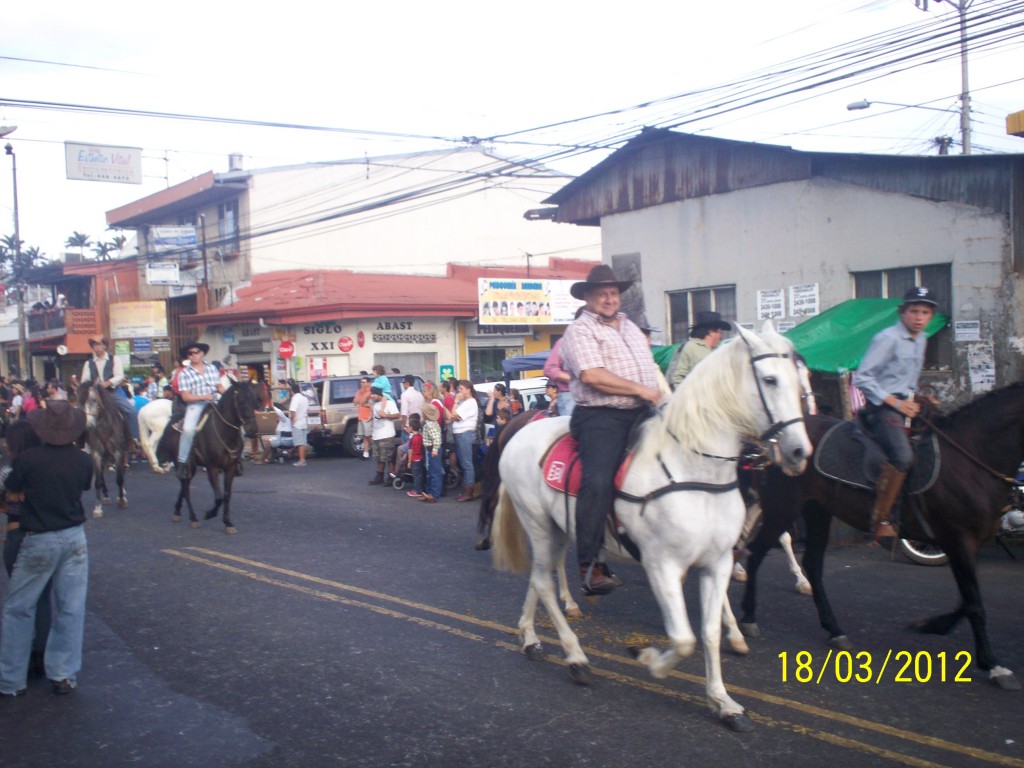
(509, 546)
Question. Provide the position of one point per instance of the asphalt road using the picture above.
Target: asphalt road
(347, 625)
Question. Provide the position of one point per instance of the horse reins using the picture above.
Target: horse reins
(965, 452)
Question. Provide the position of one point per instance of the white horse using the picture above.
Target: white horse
(679, 502)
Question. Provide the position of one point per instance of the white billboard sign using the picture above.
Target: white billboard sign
(512, 301)
(163, 273)
(99, 162)
(179, 239)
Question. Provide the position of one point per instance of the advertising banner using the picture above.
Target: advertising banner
(138, 319)
(100, 162)
(525, 302)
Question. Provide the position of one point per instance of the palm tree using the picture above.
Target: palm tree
(33, 257)
(118, 241)
(102, 251)
(80, 241)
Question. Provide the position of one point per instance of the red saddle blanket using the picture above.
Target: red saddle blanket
(562, 469)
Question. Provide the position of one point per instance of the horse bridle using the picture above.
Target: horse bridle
(775, 428)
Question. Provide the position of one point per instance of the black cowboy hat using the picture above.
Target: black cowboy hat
(197, 344)
(59, 423)
(601, 275)
(919, 295)
(706, 318)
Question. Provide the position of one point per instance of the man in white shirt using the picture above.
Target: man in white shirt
(298, 412)
(385, 414)
(281, 431)
(411, 402)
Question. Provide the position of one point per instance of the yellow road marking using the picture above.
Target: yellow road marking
(808, 709)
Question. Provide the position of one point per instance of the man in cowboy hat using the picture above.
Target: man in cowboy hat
(198, 386)
(613, 382)
(888, 375)
(105, 370)
(705, 335)
(52, 477)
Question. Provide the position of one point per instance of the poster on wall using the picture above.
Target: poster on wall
(803, 300)
(525, 302)
(771, 304)
(316, 367)
(981, 365)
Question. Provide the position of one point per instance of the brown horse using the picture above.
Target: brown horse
(980, 445)
(218, 447)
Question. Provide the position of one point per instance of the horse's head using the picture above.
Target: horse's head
(774, 391)
(88, 397)
(244, 401)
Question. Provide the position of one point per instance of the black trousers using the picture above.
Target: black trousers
(888, 427)
(602, 434)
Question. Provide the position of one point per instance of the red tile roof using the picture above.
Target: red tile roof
(299, 296)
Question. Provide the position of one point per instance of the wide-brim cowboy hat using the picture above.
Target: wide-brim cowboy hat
(430, 412)
(919, 295)
(599, 277)
(197, 344)
(706, 318)
(59, 423)
(99, 340)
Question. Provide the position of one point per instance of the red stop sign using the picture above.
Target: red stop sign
(345, 343)
(286, 349)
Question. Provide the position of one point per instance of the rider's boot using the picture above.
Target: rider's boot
(887, 490)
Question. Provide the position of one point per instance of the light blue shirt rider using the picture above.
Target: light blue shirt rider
(892, 365)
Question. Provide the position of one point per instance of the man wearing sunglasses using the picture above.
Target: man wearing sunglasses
(198, 385)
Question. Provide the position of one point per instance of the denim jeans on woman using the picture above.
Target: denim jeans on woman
(63, 558)
(464, 452)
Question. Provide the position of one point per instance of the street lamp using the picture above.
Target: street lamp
(22, 351)
(943, 142)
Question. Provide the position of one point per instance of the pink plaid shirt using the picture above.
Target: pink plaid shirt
(589, 343)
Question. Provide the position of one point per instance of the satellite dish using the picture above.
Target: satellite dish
(62, 350)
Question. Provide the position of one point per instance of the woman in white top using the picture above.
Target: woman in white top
(464, 421)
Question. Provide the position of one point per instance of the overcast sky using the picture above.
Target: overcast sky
(449, 70)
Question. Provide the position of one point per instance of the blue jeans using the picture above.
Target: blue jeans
(188, 429)
(63, 557)
(464, 452)
(12, 544)
(127, 407)
(419, 476)
(565, 403)
(435, 473)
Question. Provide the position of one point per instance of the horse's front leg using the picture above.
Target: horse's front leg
(229, 479)
(666, 579)
(572, 609)
(713, 583)
(185, 494)
(819, 521)
(213, 475)
(803, 586)
(101, 486)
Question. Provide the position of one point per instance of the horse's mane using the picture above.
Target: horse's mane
(710, 400)
(983, 406)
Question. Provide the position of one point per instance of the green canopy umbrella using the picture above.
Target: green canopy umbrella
(836, 340)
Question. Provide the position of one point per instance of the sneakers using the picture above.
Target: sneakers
(5, 695)
(62, 687)
(299, 464)
(366, 454)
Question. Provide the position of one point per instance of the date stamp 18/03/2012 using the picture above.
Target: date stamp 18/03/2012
(867, 668)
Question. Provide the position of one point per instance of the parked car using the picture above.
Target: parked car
(338, 416)
(531, 390)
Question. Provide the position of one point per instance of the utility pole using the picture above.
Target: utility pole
(206, 268)
(965, 90)
(18, 267)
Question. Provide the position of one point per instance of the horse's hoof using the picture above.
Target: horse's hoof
(739, 646)
(804, 588)
(231, 529)
(750, 629)
(97, 512)
(634, 651)
(840, 643)
(535, 652)
(580, 674)
(574, 612)
(175, 518)
(106, 499)
(195, 525)
(1004, 679)
(122, 503)
(739, 723)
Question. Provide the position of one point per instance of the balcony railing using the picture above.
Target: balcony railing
(54, 323)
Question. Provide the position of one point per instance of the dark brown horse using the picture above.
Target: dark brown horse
(107, 437)
(218, 447)
(980, 444)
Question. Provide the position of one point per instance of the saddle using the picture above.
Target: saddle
(177, 425)
(562, 470)
(849, 455)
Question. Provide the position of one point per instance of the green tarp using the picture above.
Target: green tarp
(835, 340)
